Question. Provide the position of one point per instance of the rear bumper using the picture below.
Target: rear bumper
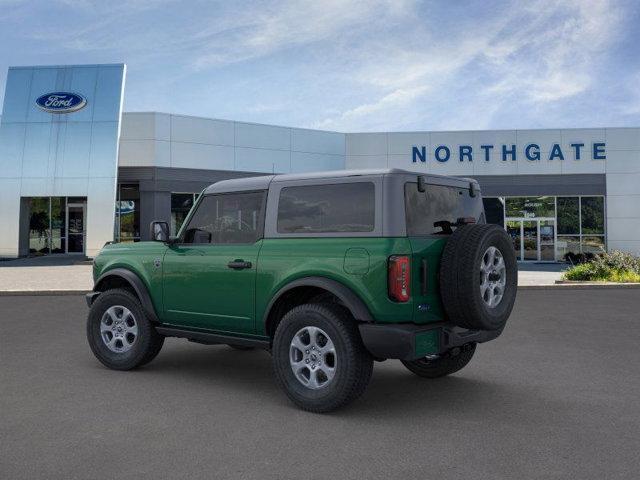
(407, 341)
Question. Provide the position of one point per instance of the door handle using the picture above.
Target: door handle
(239, 264)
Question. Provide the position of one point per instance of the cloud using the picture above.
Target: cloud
(551, 57)
(284, 25)
(397, 98)
(536, 55)
(348, 65)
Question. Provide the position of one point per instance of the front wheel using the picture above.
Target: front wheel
(119, 333)
(441, 365)
(319, 359)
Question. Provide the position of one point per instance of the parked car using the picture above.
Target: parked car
(327, 271)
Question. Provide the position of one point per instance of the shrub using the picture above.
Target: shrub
(614, 266)
(577, 258)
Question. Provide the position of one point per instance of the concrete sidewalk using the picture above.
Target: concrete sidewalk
(45, 274)
(533, 274)
(65, 275)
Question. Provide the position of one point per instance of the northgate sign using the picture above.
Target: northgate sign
(531, 152)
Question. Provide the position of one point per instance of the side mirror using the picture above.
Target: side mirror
(159, 231)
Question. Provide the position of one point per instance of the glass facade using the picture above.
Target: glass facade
(39, 226)
(530, 207)
(546, 228)
(127, 225)
(52, 156)
(57, 225)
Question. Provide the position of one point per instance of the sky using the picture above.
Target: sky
(348, 65)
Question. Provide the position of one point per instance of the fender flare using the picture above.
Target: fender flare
(136, 283)
(350, 300)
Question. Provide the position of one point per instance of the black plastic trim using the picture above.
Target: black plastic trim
(398, 340)
(90, 298)
(424, 277)
(350, 300)
(138, 286)
(208, 338)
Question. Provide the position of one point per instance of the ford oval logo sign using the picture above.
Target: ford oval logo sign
(61, 102)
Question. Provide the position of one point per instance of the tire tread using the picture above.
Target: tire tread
(358, 377)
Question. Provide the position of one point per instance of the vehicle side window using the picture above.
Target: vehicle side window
(227, 219)
(342, 207)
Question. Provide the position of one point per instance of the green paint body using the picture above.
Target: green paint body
(192, 285)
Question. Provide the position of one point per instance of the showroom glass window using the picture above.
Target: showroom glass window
(568, 240)
(580, 220)
(127, 226)
(331, 208)
(227, 219)
(592, 218)
(181, 204)
(530, 207)
(580, 225)
(39, 226)
(48, 229)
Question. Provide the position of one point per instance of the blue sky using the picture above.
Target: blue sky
(351, 65)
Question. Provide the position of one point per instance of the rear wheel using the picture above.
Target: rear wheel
(119, 333)
(319, 359)
(440, 365)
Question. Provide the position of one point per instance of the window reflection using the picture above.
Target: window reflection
(530, 207)
(181, 204)
(592, 215)
(39, 226)
(346, 207)
(568, 216)
(127, 227)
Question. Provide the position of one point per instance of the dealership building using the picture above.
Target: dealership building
(76, 171)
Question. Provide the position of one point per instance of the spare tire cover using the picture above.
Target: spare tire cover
(479, 277)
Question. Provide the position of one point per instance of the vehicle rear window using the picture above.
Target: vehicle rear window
(437, 204)
(336, 208)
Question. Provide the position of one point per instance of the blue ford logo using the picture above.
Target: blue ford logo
(61, 102)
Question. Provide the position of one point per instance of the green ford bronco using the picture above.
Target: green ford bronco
(327, 271)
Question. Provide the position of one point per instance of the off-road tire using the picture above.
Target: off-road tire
(147, 344)
(354, 364)
(460, 277)
(444, 365)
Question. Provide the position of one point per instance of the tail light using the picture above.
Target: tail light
(399, 278)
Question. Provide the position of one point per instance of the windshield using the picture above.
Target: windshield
(437, 210)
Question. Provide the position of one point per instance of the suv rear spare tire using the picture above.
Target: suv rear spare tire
(479, 277)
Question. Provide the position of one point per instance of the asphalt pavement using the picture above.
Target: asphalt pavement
(556, 396)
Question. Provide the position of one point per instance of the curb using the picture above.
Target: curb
(22, 293)
(580, 286)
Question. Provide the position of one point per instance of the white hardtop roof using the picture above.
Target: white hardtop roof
(263, 182)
